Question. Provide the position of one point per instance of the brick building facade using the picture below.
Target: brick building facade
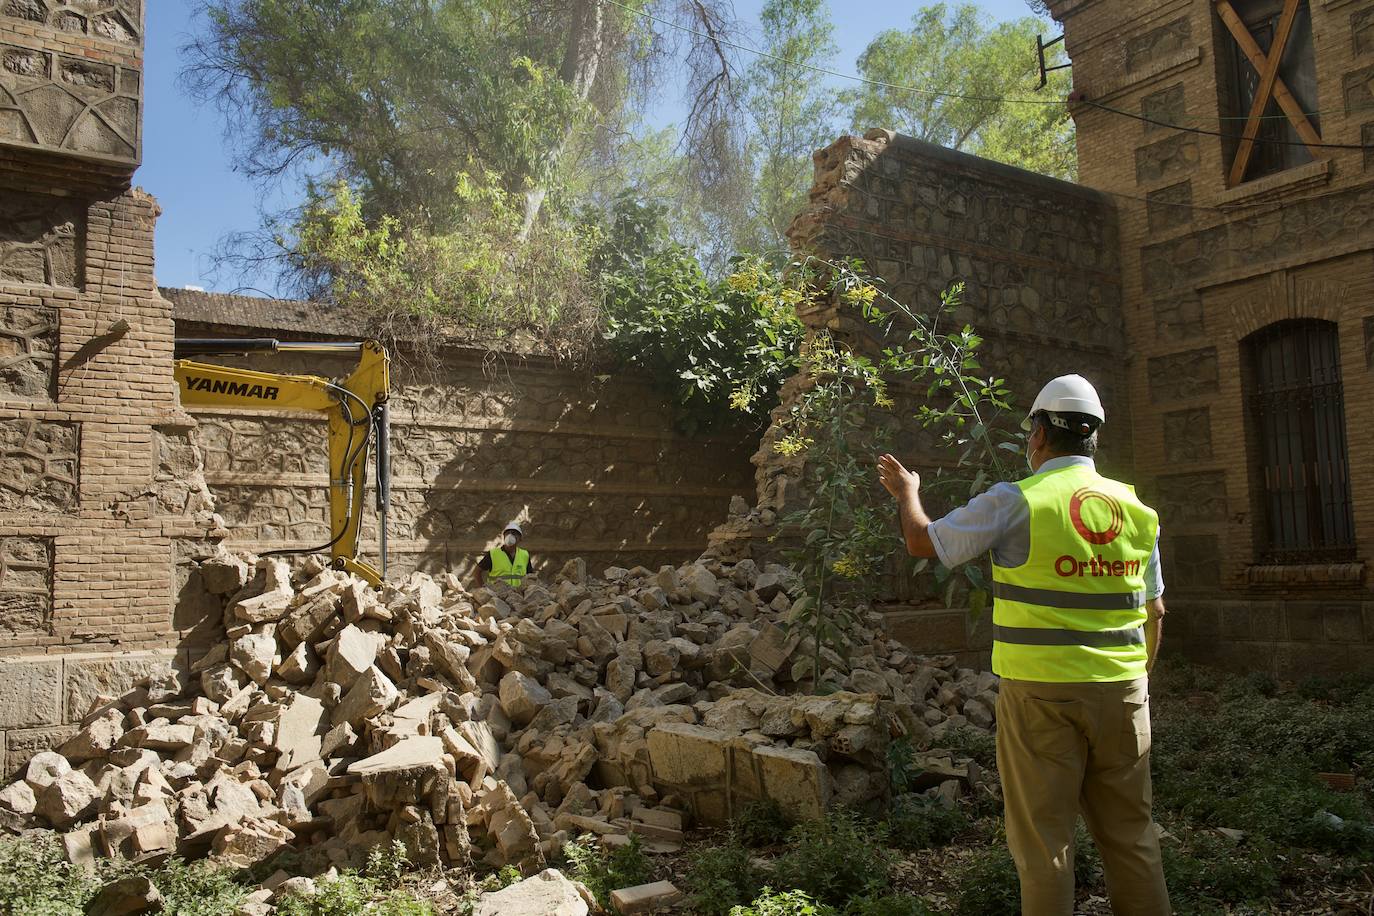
(90, 511)
(1248, 296)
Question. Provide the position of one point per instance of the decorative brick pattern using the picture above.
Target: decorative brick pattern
(40, 239)
(1187, 499)
(112, 20)
(1358, 89)
(1157, 43)
(38, 465)
(1192, 561)
(1179, 318)
(1183, 376)
(1362, 31)
(1168, 106)
(26, 565)
(28, 342)
(69, 103)
(1171, 207)
(1188, 435)
(1174, 155)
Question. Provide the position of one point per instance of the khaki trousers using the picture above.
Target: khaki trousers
(1063, 749)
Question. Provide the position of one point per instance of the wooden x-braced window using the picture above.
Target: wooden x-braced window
(1297, 412)
(1269, 94)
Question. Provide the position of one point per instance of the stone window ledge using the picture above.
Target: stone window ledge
(1289, 181)
(1335, 575)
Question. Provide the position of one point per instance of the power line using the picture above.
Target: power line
(1217, 133)
(946, 93)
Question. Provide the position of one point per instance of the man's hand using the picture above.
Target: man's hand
(896, 479)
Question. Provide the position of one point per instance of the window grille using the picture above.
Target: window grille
(1297, 409)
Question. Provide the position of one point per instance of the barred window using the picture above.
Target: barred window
(1297, 411)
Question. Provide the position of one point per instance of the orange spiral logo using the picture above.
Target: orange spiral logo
(1113, 529)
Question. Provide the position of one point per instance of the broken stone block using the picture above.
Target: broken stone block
(170, 737)
(522, 697)
(701, 585)
(19, 798)
(796, 779)
(297, 740)
(372, 694)
(220, 682)
(131, 896)
(96, 738)
(250, 841)
(44, 769)
(67, 799)
(644, 898)
(224, 573)
(351, 653)
(299, 666)
(548, 893)
(451, 660)
(255, 653)
(687, 755)
(269, 607)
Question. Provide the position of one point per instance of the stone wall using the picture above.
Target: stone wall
(87, 539)
(1203, 266)
(586, 457)
(1038, 258)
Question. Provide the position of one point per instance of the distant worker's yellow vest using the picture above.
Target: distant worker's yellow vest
(1075, 610)
(510, 573)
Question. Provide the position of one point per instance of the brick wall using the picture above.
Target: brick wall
(1203, 266)
(587, 456)
(87, 532)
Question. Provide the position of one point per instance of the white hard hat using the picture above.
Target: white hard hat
(513, 527)
(1067, 394)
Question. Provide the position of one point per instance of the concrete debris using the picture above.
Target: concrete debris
(494, 723)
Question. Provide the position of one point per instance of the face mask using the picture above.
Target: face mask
(510, 540)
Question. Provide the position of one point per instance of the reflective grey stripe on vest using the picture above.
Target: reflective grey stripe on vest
(1069, 601)
(1034, 636)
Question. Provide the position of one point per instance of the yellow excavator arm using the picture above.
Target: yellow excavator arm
(356, 407)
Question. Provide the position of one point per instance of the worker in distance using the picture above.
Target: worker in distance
(1077, 623)
(508, 562)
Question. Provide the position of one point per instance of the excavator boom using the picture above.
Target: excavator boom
(356, 408)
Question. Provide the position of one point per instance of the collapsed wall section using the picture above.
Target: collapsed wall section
(88, 523)
(1038, 258)
(588, 458)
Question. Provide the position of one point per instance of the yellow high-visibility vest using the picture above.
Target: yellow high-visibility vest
(1075, 610)
(510, 573)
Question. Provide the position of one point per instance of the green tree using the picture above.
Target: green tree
(793, 113)
(981, 72)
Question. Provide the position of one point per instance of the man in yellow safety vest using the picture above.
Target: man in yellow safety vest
(1077, 621)
(508, 563)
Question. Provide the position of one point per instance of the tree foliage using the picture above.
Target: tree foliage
(981, 72)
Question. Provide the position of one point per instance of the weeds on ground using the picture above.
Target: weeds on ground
(37, 880)
(374, 891)
(761, 823)
(980, 746)
(784, 903)
(988, 885)
(836, 859)
(720, 878)
(603, 871)
(887, 905)
(497, 880)
(916, 822)
(1208, 873)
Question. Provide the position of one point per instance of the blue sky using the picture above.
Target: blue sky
(187, 162)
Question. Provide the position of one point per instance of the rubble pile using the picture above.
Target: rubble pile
(490, 725)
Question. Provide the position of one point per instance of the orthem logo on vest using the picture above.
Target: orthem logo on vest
(1105, 536)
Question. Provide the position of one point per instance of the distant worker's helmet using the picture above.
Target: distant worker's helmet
(1069, 394)
(513, 527)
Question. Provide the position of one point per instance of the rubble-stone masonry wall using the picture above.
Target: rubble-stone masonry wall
(1038, 258)
(588, 458)
(88, 524)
